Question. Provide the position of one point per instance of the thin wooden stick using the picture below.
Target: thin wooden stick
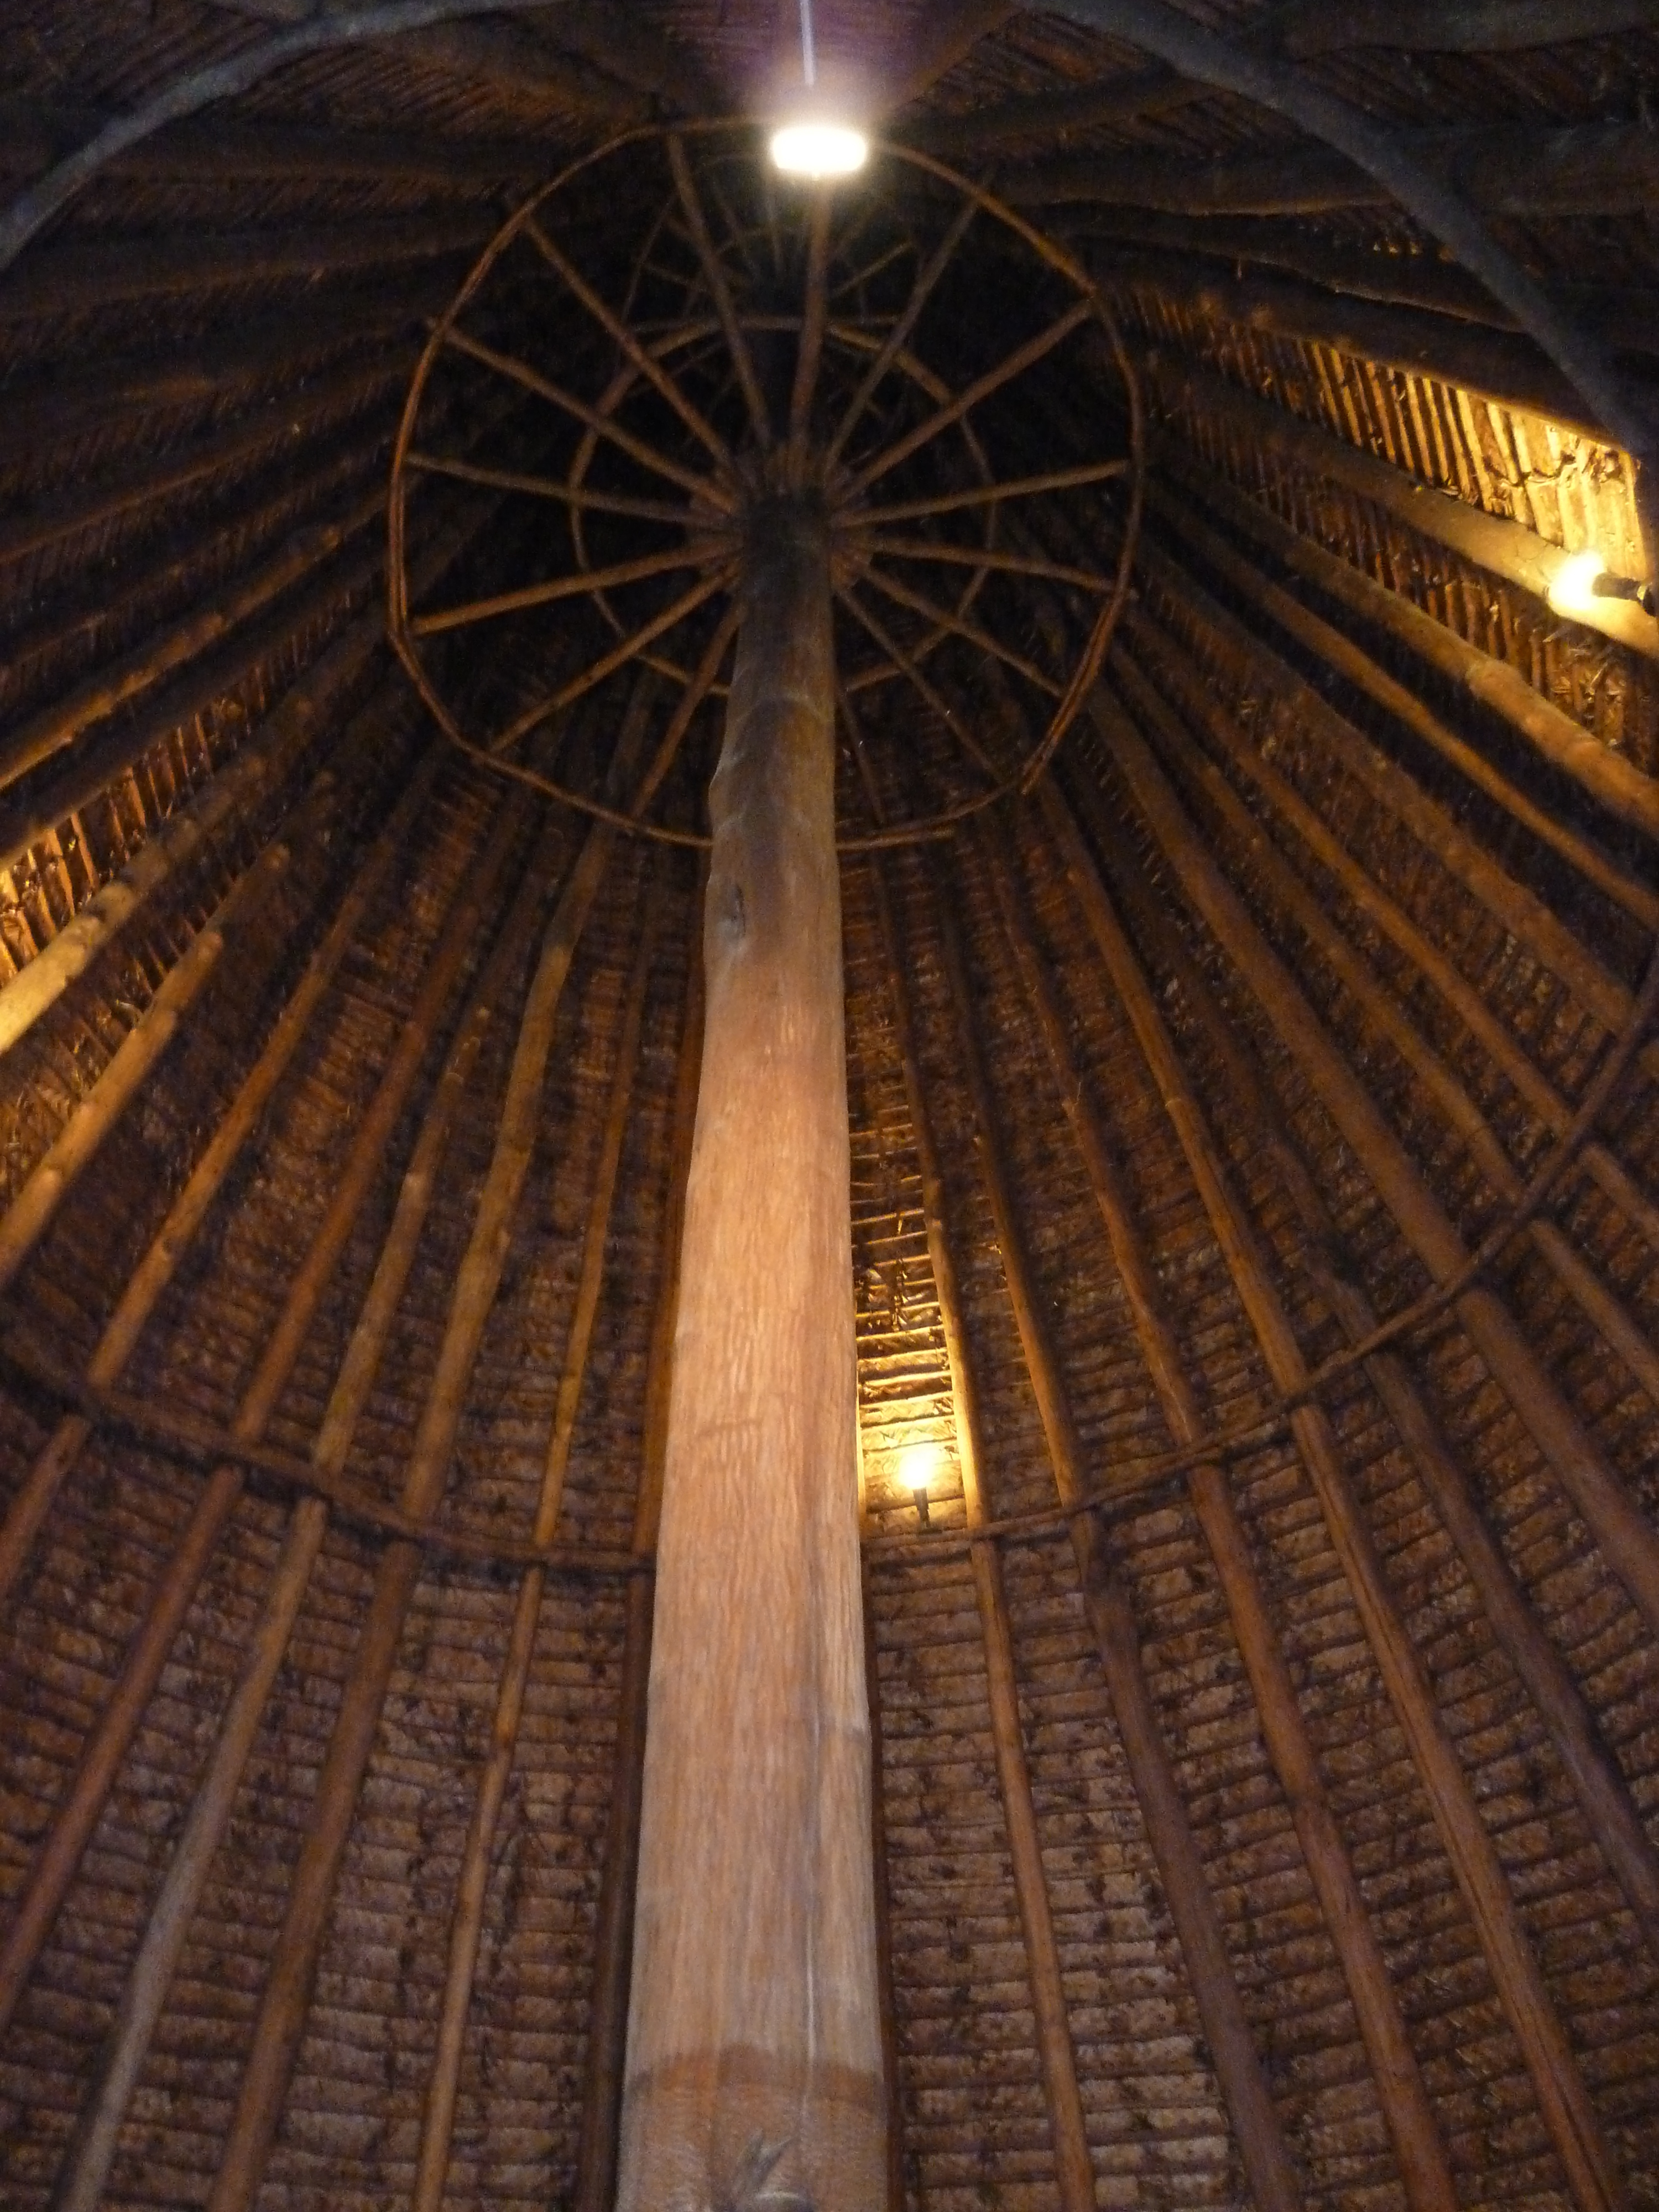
(578, 585)
(922, 510)
(31, 1502)
(982, 556)
(287, 1995)
(691, 697)
(905, 666)
(114, 684)
(1181, 1869)
(1016, 364)
(1532, 1085)
(75, 1147)
(898, 338)
(59, 1855)
(1601, 1306)
(890, 2038)
(920, 603)
(630, 649)
(1518, 910)
(1492, 682)
(572, 495)
(1608, 1807)
(705, 489)
(720, 291)
(1400, 2090)
(654, 373)
(607, 2025)
(1628, 1542)
(1562, 2101)
(1074, 2170)
(92, 2148)
(466, 1927)
(258, 767)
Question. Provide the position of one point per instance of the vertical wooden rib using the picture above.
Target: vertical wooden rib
(1562, 2100)
(60, 1855)
(1600, 1305)
(1629, 1543)
(432, 2165)
(32, 1501)
(92, 2148)
(1602, 1792)
(1400, 2089)
(890, 2043)
(280, 2021)
(607, 2026)
(1056, 2058)
(1198, 1925)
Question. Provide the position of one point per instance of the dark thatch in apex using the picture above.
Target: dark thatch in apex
(1254, 1118)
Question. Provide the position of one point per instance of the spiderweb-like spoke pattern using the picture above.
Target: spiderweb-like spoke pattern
(767, 342)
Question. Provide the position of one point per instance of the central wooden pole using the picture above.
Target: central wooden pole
(754, 2065)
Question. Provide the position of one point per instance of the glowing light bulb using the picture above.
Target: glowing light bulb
(1572, 588)
(819, 149)
(1578, 583)
(917, 1466)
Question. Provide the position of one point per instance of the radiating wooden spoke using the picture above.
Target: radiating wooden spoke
(720, 291)
(652, 370)
(922, 510)
(919, 604)
(927, 277)
(905, 666)
(813, 324)
(565, 495)
(1017, 363)
(983, 556)
(521, 372)
(576, 586)
(737, 233)
(701, 686)
(733, 275)
(630, 649)
(871, 268)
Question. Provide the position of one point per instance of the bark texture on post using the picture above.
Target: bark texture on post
(754, 2050)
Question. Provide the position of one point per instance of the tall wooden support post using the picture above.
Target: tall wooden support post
(754, 2048)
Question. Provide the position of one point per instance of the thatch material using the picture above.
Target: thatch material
(1256, 1155)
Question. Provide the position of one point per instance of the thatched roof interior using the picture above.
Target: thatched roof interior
(1310, 994)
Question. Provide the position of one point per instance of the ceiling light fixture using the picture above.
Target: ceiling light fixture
(815, 145)
(918, 1464)
(819, 150)
(1584, 577)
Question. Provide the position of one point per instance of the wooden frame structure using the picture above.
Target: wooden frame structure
(1252, 1197)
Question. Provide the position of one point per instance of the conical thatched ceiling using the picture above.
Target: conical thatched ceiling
(1255, 1151)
